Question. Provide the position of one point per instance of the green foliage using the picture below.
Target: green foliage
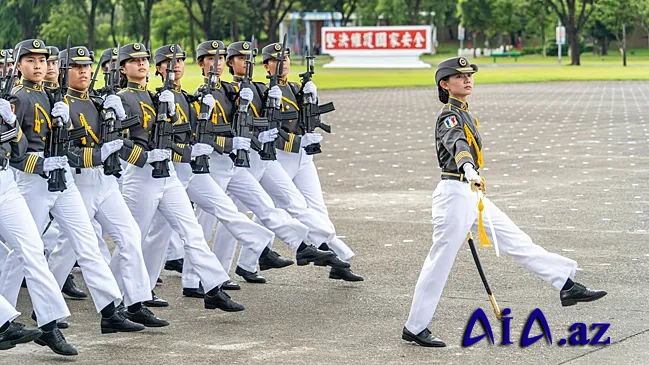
(65, 19)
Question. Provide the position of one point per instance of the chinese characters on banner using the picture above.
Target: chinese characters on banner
(376, 38)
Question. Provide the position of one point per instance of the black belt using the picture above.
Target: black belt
(453, 176)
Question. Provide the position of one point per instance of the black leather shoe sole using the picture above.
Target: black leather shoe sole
(156, 303)
(346, 276)
(572, 301)
(110, 329)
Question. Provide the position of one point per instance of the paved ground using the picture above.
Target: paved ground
(566, 161)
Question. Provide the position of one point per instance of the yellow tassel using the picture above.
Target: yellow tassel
(482, 232)
(84, 123)
(472, 142)
(146, 117)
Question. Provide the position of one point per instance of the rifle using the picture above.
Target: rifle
(274, 114)
(163, 131)
(60, 136)
(244, 123)
(4, 71)
(111, 127)
(5, 92)
(204, 129)
(310, 112)
(91, 87)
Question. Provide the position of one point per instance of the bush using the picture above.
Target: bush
(553, 50)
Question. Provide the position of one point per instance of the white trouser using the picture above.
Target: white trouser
(300, 168)
(68, 209)
(208, 195)
(53, 234)
(175, 251)
(104, 202)
(285, 195)
(454, 214)
(4, 252)
(145, 196)
(26, 259)
(7, 312)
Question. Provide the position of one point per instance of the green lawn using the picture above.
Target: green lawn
(530, 68)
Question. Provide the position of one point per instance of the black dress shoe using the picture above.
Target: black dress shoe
(230, 285)
(251, 277)
(146, 317)
(16, 334)
(272, 260)
(57, 343)
(579, 293)
(222, 301)
(312, 254)
(158, 281)
(61, 323)
(337, 273)
(24, 284)
(71, 291)
(119, 323)
(424, 338)
(333, 262)
(194, 292)
(175, 265)
(155, 301)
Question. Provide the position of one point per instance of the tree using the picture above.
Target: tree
(89, 8)
(446, 15)
(476, 16)
(272, 12)
(139, 12)
(539, 20)
(573, 15)
(618, 17)
(642, 7)
(30, 14)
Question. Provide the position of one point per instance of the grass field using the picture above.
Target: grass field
(531, 68)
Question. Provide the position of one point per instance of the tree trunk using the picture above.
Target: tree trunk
(624, 45)
(451, 36)
(147, 22)
(192, 37)
(112, 24)
(574, 46)
(604, 47)
(91, 25)
(543, 39)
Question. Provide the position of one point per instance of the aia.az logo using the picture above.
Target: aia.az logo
(580, 334)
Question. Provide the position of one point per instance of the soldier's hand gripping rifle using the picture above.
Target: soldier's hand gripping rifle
(111, 127)
(5, 92)
(310, 111)
(244, 123)
(204, 128)
(274, 112)
(60, 136)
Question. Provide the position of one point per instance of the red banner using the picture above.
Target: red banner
(376, 38)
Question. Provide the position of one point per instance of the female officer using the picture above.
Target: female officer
(145, 195)
(459, 152)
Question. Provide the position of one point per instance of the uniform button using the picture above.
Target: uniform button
(92, 144)
(27, 90)
(43, 138)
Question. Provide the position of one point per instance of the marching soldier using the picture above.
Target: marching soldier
(9, 53)
(237, 180)
(19, 230)
(108, 55)
(201, 188)
(100, 192)
(299, 166)
(37, 115)
(274, 179)
(52, 75)
(162, 194)
(459, 153)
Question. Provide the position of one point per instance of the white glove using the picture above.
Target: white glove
(310, 88)
(5, 112)
(168, 97)
(200, 149)
(115, 103)
(158, 155)
(110, 147)
(471, 175)
(275, 93)
(240, 143)
(268, 136)
(209, 101)
(62, 110)
(246, 94)
(310, 138)
(54, 163)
